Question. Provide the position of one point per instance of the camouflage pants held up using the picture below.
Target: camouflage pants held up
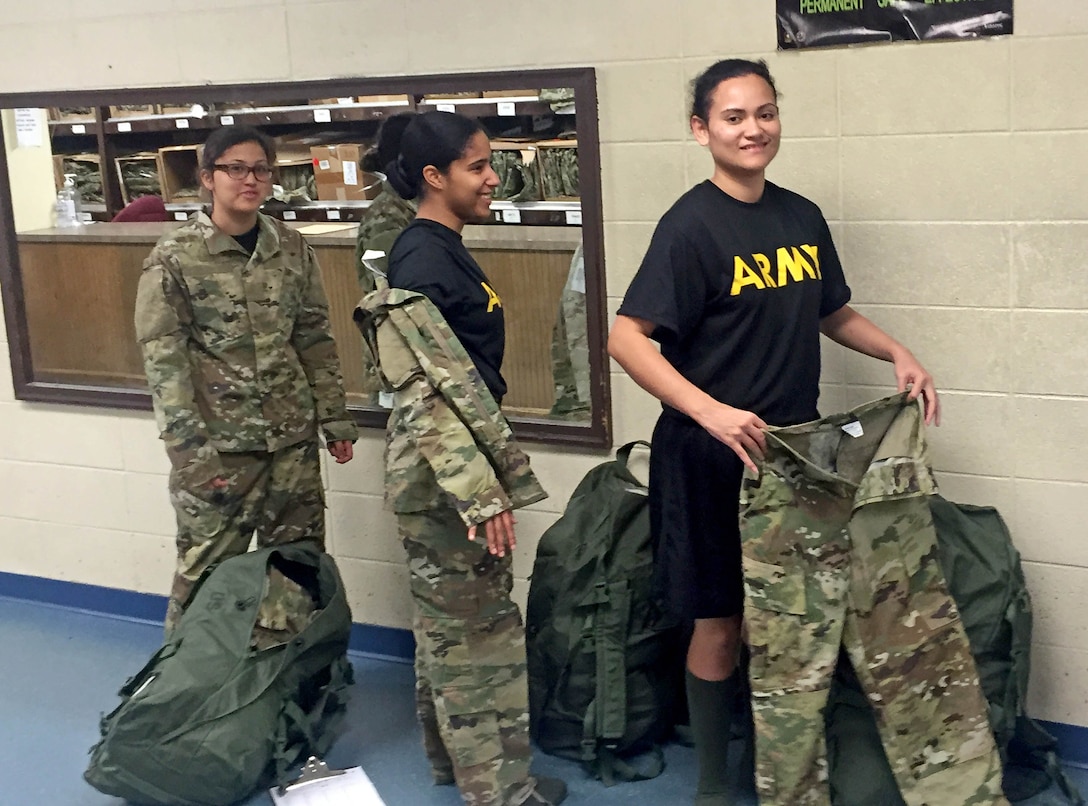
(839, 549)
(471, 681)
(276, 497)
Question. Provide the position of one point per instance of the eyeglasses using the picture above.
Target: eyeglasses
(239, 170)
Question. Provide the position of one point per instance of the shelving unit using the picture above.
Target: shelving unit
(120, 137)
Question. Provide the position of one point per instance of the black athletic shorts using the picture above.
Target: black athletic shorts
(694, 519)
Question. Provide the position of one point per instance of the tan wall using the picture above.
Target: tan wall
(953, 175)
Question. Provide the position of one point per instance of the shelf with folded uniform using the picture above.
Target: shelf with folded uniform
(540, 213)
(517, 106)
(307, 114)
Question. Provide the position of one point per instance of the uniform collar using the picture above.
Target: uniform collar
(218, 241)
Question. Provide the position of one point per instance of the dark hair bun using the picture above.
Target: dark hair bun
(398, 177)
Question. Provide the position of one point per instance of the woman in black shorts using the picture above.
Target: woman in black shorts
(740, 279)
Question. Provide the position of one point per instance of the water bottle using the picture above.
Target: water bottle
(69, 212)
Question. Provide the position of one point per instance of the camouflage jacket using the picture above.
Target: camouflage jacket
(383, 221)
(446, 441)
(238, 350)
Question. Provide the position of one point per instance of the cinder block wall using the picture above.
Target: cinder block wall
(953, 174)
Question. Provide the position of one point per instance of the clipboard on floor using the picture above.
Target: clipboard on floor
(320, 786)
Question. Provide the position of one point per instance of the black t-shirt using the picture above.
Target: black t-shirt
(430, 258)
(737, 291)
(248, 239)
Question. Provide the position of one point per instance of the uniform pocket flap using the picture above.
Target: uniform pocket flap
(396, 361)
(773, 587)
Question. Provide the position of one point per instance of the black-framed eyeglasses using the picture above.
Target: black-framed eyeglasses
(239, 170)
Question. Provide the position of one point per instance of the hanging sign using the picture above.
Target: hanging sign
(828, 23)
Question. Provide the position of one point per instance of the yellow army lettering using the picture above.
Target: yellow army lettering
(790, 263)
(493, 300)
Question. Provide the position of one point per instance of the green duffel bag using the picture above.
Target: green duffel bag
(602, 653)
(251, 682)
(984, 575)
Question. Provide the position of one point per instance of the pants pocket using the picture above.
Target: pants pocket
(195, 516)
(471, 733)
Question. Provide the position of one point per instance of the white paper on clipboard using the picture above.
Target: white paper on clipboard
(351, 788)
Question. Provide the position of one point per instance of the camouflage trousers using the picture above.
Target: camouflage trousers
(274, 498)
(840, 550)
(471, 684)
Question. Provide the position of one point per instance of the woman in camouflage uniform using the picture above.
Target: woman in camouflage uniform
(471, 682)
(233, 322)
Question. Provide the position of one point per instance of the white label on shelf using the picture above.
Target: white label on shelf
(289, 215)
(181, 215)
(322, 116)
(323, 165)
(446, 107)
(351, 172)
(124, 127)
(79, 128)
(182, 123)
(574, 217)
(332, 215)
(345, 100)
(506, 108)
(226, 120)
(511, 216)
(86, 217)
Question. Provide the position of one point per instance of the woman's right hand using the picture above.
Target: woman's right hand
(739, 429)
(499, 532)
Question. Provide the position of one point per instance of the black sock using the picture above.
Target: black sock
(710, 706)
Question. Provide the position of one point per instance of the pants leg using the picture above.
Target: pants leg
(433, 745)
(473, 644)
(909, 648)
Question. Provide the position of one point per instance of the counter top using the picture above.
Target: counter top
(478, 236)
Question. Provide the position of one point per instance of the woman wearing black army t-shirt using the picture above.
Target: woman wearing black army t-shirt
(740, 279)
(472, 697)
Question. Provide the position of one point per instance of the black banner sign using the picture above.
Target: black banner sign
(827, 23)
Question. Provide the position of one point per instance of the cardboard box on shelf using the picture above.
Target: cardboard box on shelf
(339, 175)
(510, 93)
(133, 110)
(179, 109)
(179, 174)
(558, 166)
(77, 114)
(383, 99)
(143, 169)
(450, 96)
(88, 171)
(519, 175)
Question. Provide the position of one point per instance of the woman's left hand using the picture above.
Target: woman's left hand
(499, 531)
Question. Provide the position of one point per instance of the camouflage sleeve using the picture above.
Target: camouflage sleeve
(313, 341)
(162, 329)
(458, 381)
(436, 433)
(460, 467)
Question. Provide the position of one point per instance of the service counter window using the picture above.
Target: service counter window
(73, 161)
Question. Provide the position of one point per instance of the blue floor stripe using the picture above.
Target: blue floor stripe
(366, 639)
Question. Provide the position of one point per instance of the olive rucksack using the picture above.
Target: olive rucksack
(601, 685)
(982, 568)
(220, 709)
